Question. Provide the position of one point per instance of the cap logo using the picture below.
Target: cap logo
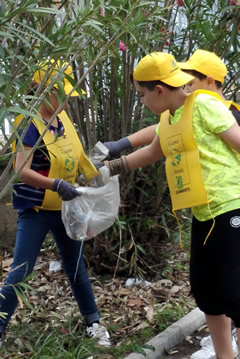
(174, 65)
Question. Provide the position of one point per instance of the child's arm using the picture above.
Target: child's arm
(143, 157)
(232, 136)
(140, 138)
(146, 155)
(29, 176)
(35, 179)
(143, 137)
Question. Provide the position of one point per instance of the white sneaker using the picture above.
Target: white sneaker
(235, 347)
(206, 341)
(204, 353)
(100, 333)
(208, 352)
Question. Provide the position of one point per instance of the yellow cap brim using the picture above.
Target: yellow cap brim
(175, 78)
(39, 75)
(178, 79)
(68, 87)
(185, 65)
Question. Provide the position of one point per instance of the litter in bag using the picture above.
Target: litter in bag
(95, 210)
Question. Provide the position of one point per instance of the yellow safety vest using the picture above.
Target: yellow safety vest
(231, 103)
(183, 168)
(66, 158)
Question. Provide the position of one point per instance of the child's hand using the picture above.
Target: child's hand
(118, 166)
(65, 190)
(116, 147)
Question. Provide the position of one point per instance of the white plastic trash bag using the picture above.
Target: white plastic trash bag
(93, 212)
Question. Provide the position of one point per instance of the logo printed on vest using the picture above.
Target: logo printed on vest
(69, 164)
(175, 157)
(179, 182)
(235, 222)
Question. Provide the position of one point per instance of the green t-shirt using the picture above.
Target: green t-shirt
(220, 164)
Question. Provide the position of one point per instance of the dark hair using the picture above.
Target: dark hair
(150, 85)
(201, 77)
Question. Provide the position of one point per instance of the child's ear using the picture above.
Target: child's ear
(159, 89)
(210, 80)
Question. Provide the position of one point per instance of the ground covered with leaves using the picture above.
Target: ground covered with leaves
(48, 323)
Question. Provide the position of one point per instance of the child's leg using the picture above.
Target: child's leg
(221, 333)
(75, 269)
(214, 277)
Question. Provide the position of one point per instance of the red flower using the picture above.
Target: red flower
(122, 46)
(163, 29)
(102, 11)
(180, 2)
(231, 2)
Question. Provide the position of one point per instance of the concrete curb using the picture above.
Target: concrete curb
(172, 336)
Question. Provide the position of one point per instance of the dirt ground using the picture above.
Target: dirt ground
(190, 345)
(136, 297)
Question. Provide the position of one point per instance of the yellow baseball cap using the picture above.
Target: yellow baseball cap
(207, 63)
(163, 67)
(68, 72)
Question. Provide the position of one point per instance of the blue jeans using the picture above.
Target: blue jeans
(32, 229)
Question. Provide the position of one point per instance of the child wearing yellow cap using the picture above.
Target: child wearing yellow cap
(45, 180)
(200, 140)
(207, 63)
(209, 73)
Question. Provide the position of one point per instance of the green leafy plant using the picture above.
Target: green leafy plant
(103, 41)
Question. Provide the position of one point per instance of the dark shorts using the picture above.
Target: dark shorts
(215, 266)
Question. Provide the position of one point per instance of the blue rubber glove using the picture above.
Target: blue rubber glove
(116, 147)
(65, 190)
(98, 164)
